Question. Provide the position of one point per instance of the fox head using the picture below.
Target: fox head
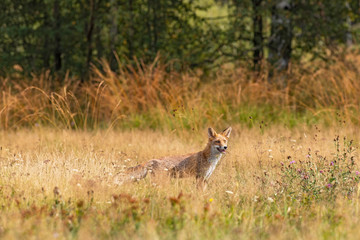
(219, 141)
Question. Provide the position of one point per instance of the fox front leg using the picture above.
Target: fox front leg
(201, 183)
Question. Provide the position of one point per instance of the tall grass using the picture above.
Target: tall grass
(154, 96)
(59, 184)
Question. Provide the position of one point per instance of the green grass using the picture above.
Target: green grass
(247, 116)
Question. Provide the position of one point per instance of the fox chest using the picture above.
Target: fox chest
(212, 162)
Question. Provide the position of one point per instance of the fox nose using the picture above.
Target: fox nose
(225, 147)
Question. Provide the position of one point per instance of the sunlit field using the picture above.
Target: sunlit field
(291, 172)
(274, 183)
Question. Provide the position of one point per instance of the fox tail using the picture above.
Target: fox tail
(133, 174)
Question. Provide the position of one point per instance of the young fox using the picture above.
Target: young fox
(200, 164)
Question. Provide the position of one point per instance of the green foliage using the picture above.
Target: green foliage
(32, 32)
(71, 35)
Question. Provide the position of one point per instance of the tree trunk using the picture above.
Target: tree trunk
(155, 27)
(131, 29)
(98, 43)
(348, 34)
(57, 40)
(258, 35)
(113, 31)
(149, 27)
(280, 39)
(89, 35)
(45, 51)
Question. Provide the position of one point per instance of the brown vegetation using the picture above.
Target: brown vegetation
(154, 94)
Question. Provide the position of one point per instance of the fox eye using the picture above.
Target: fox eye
(217, 141)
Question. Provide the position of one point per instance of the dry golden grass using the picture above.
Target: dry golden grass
(59, 184)
(276, 182)
(149, 96)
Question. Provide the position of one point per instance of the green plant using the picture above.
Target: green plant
(319, 177)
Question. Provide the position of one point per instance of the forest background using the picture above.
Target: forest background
(139, 63)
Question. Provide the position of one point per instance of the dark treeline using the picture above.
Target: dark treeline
(70, 35)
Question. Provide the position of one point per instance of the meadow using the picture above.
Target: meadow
(291, 172)
(279, 184)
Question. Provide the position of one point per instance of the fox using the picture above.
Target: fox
(201, 164)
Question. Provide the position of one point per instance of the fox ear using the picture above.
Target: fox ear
(227, 132)
(211, 132)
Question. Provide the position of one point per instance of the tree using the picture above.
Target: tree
(281, 36)
(57, 38)
(70, 35)
(258, 34)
